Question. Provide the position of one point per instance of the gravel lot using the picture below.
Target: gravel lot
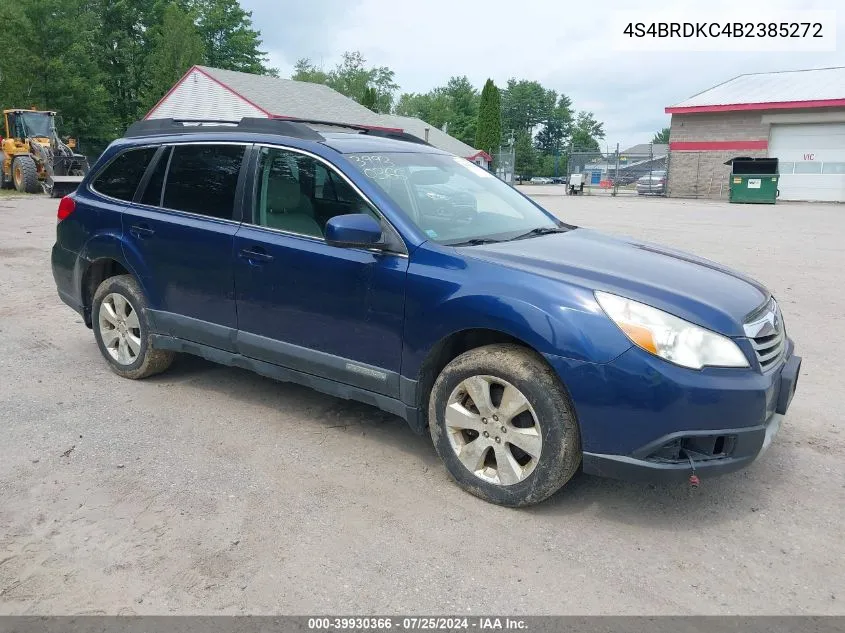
(213, 490)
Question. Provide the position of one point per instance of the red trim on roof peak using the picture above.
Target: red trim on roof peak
(169, 92)
(771, 105)
(215, 80)
(481, 153)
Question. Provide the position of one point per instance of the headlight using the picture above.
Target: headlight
(669, 337)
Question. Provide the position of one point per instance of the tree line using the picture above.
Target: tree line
(540, 123)
(102, 64)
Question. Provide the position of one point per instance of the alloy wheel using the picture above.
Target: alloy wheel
(120, 329)
(493, 430)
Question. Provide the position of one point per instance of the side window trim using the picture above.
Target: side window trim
(331, 169)
(109, 163)
(237, 210)
(151, 168)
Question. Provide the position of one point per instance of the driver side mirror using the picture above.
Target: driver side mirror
(354, 230)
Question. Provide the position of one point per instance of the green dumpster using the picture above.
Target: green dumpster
(754, 180)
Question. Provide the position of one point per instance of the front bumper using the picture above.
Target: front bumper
(649, 420)
(748, 445)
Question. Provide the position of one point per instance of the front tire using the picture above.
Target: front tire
(504, 426)
(25, 175)
(122, 330)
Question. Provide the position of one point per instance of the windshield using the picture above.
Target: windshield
(452, 200)
(36, 124)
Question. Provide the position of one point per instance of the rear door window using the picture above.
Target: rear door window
(202, 179)
(121, 177)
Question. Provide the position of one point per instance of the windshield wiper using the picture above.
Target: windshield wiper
(542, 230)
(477, 241)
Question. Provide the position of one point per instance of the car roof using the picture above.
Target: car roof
(346, 143)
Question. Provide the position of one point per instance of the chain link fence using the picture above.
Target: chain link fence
(504, 162)
(639, 170)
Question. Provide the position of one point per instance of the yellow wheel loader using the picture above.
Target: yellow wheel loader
(33, 157)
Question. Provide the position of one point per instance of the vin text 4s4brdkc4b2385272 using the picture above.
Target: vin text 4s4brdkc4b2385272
(370, 266)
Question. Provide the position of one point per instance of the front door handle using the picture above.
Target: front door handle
(256, 254)
(141, 231)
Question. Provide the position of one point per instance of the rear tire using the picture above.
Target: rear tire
(504, 458)
(122, 329)
(25, 175)
(5, 183)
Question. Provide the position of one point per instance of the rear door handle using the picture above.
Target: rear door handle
(256, 254)
(141, 231)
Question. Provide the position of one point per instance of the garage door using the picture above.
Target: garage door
(812, 160)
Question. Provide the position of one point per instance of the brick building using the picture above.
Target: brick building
(796, 116)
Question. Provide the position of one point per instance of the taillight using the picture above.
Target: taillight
(66, 207)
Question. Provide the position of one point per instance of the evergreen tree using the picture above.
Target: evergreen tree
(488, 134)
(370, 99)
(525, 155)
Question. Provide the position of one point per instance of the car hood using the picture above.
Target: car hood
(693, 288)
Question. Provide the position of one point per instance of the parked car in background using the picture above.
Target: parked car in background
(525, 347)
(653, 183)
(541, 180)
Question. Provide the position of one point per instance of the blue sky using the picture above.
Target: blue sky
(563, 45)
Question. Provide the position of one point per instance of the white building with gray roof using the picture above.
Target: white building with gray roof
(205, 93)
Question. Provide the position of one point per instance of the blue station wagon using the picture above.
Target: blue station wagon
(371, 266)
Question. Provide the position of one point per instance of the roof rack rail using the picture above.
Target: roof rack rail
(156, 127)
(383, 132)
(294, 127)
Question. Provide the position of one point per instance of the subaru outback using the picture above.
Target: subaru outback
(371, 266)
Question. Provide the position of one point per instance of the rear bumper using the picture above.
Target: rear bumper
(644, 419)
(63, 263)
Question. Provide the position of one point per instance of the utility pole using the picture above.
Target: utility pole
(616, 175)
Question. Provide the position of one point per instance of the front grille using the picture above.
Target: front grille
(767, 334)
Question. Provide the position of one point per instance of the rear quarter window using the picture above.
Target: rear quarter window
(122, 175)
(202, 179)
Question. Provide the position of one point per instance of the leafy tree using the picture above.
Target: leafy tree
(661, 137)
(305, 70)
(121, 52)
(525, 105)
(352, 78)
(454, 106)
(463, 102)
(587, 132)
(50, 63)
(432, 107)
(175, 47)
(230, 41)
(525, 155)
(557, 129)
(488, 133)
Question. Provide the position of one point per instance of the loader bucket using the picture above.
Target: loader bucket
(60, 186)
